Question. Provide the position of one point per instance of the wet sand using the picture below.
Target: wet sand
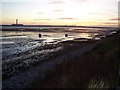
(13, 70)
(35, 64)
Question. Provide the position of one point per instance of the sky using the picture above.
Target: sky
(60, 12)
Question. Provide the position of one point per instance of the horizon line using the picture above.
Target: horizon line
(63, 25)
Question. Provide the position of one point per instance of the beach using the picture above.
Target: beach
(25, 53)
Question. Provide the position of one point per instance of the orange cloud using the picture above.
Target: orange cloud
(111, 23)
(115, 19)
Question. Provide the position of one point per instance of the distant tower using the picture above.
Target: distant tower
(16, 21)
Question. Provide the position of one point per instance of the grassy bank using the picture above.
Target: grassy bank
(95, 69)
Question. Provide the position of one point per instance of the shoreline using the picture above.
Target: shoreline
(57, 56)
(51, 63)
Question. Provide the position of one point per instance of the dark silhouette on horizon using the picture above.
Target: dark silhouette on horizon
(17, 23)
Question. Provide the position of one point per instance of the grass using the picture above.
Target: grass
(95, 69)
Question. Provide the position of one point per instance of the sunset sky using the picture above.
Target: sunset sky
(61, 12)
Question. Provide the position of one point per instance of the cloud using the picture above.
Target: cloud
(111, 23)
(115, 19)
(40, 13)
(42, 19)
(56, 2)
(79, 1)
(58, 10)
(68, 18)
(82, 1)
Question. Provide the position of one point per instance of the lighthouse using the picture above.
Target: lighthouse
(16, 23)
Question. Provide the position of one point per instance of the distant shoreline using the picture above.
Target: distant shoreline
(60, 26)
(48, 28)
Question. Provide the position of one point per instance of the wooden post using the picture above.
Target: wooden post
(66, 35)
(40, 35)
